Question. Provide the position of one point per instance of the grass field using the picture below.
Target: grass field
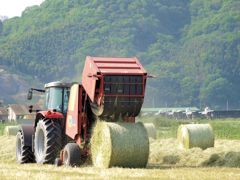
(164, 163)
(33, 171)
(223, 128)
(166, 160)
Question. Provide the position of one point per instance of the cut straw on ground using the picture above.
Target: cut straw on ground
(7, 149)
(226, 153)
(164, 153)
(34, 171)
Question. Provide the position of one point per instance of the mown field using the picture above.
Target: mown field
(223, 128)
(166, 160)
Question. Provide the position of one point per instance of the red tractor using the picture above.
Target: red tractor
(112, 89)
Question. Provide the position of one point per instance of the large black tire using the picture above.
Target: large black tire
(72, 155)
(24, 153)
(48, 141)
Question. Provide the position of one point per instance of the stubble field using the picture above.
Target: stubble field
(166, 160)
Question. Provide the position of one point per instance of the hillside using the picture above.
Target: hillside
(192, 45)
(13, 87)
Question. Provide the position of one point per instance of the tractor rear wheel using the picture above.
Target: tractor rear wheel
(24, 153)
(48, 141)
(72, 155)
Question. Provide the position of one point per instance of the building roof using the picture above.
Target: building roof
(3, 111)
(169, 109)
(22, 109)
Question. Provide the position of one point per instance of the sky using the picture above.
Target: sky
(11, 8)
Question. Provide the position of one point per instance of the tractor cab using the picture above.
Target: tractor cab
(57, 96)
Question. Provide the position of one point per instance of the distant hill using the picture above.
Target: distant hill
(14, 87)
(191, 45)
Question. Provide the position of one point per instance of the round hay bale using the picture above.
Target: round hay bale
(29, 116)
(119, 144)
(151, 130)
(195, 135)
(11, 130)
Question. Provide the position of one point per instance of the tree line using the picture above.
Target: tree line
(192, 45)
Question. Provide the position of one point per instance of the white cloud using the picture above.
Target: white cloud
(13, 8)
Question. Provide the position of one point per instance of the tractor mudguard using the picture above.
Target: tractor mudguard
(50, 114)
(47, 114)
(28, 131)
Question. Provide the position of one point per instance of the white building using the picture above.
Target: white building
(18, 111)
(3, 114)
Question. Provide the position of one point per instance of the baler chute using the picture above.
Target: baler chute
(115, 86)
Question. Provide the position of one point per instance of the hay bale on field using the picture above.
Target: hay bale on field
(29, 116)
(119, 144)
(195, 135)
(11, 130)
(151, 130)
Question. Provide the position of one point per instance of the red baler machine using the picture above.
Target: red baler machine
(112, 90)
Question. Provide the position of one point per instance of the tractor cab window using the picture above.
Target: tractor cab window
(66, 99)
(46, 99)
(57, 98)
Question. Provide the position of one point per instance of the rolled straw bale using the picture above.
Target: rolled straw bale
(119, 144)
(151, 130)
(195, 135)
(11, 130)
(29, 116)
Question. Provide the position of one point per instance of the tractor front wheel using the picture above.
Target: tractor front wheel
(48, 141)
(72, 155)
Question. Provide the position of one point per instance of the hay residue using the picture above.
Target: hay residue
(163, 152)
(166, 152)
(119, 144)
(7, 149)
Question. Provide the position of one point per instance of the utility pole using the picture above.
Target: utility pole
(227, 104)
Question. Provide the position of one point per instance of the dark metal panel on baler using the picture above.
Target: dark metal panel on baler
(122, 86)
(127, 85)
